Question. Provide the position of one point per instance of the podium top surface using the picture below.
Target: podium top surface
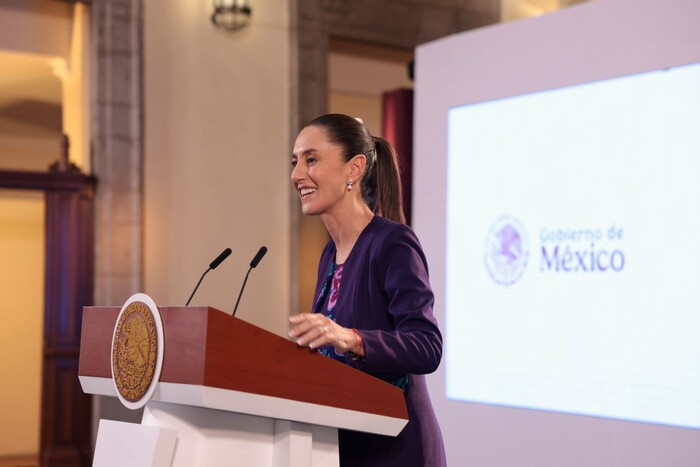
(208, 348)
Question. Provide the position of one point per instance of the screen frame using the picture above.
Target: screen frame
(588, 42)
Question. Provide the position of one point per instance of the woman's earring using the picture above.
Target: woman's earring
(349, 184)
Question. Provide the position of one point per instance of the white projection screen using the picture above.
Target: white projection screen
(557, 196)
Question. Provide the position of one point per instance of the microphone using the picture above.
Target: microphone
(220, 259)
(258, 256)
(213, 265)
(253, 263)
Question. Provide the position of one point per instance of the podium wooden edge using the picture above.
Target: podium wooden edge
(215, 361)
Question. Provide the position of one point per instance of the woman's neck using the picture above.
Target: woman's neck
(345, 228)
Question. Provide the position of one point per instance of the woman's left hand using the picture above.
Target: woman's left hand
(315, 330)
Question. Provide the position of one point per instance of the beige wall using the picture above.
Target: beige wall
(519, 9)
(44, 76)
(75, 79)
(26, 152)
(356, 85)
(217, 158)
(30, 112)
(36, 26)
(21, 315)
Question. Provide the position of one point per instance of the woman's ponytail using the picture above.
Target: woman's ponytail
(389, 200)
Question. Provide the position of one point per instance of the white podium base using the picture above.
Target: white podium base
(219, 438)
(121, 443)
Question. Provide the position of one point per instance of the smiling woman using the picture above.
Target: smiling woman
(373, 302)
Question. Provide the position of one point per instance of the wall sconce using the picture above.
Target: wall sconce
(231, 15)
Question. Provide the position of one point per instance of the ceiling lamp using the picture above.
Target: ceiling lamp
(231, 15)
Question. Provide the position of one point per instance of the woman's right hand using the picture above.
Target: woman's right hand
(314, 330)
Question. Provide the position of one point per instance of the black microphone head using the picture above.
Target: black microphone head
(258, 256)
(220, 259)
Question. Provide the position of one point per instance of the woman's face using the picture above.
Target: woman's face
(319, 174)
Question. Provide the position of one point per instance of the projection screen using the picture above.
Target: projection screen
(556, 194)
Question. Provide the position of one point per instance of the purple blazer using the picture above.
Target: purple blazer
(386, 295)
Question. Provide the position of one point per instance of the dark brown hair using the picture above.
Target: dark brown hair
(381, 182)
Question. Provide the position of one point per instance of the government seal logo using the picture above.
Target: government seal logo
(137, 351)
(506, 251)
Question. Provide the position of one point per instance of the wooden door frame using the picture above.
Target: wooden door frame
(68, 286)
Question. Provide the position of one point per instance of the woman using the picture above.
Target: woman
(373, 303)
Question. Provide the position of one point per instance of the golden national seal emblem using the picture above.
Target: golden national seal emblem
(136, 350)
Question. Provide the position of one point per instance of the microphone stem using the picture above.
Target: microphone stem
(241, 292)
(197, 286)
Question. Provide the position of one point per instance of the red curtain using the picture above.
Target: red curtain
(397, 128)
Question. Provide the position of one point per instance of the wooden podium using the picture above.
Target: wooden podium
(235, 394)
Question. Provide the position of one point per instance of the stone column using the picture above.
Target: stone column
(117, 148)
(117, 161)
